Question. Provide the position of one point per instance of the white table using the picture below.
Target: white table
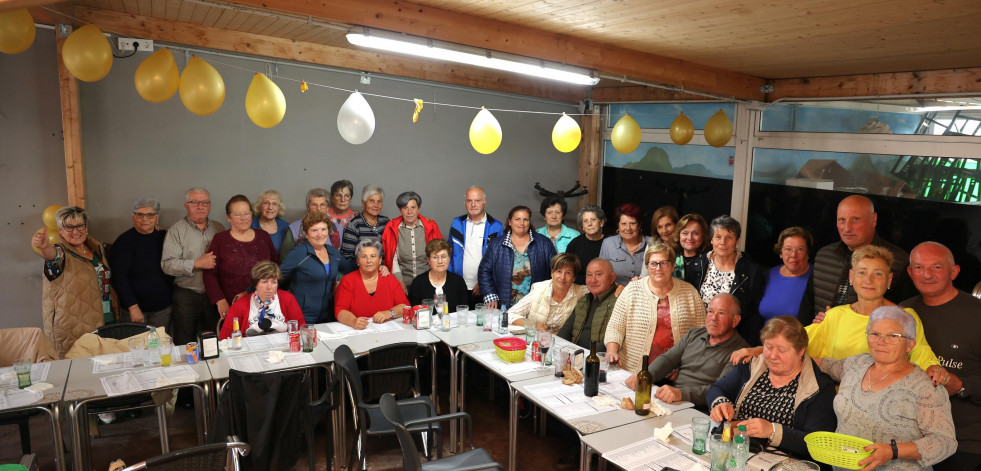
(612, 438)
(50, 403)
(83, 386)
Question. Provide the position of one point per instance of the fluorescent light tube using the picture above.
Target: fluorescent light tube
(430, 51)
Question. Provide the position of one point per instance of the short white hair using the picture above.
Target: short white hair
(897, 314)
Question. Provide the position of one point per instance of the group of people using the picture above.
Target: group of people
(763, 347)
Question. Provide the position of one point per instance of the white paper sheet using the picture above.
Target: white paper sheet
(650, 454)
(262, 343)
(372, 328)
(256, 363)
(490, 359)
(620, 390)
(39, 372)
(567, 402)
(12, 397)
(143, 379)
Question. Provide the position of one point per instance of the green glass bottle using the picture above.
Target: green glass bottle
(592, 366)
(642, 399)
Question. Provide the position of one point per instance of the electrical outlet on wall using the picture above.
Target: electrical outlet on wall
(142, 45)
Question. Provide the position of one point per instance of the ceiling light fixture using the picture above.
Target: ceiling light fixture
(438, 50)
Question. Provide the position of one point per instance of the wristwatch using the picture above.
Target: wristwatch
(393, 313)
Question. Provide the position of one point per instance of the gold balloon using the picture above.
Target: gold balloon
(264, 102)
(157, 78)
(566, 134)
(202, 89)
(626, 135)
(52, 238)
(16, 31)
(48, 217)
(682, 130)
(718, 129)
(87, 54)
(485, 132)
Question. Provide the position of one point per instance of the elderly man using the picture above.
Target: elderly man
(469, 235)
(141, 284)
(316, 201)
(856, 222)
(185, 255)
(701, 357)
(591, 314)
(950, 325)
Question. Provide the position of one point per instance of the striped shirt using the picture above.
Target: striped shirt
(359, 229)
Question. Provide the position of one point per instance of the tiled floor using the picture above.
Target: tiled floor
(133, 440)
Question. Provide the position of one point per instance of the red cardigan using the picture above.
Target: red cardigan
(390, 237)
(291, 311)
(351, 295)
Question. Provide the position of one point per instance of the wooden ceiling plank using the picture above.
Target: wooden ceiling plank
(246, 43)
(132, 6)
(497, 35)
(238, 20)
(173, 8)
(187, 9)
(158, 8)
(18, 4)
(212, 16)
(200, 12)
(924, 82)
(225, 18)
(306, 32)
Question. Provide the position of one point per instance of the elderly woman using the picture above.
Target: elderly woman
(789, 288)
(316, 202)
(587, 246)
(842, 333)
(366, 295)
(888, 400)
(368, 225)
(405, 237)
(513, 262)
(312, 267)
(652, 313)
(236, 251)
(553, 209)
(265, 310)
(340, 211)
(689, 240)
(550, 302)
(438, 280)
(781, 395)
(77, 297)
(269, 211)
(143, 287)
(725, 269)
(663, 222)
(626, 249)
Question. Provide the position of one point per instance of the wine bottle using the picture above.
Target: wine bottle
(591, 380)
(642, 399)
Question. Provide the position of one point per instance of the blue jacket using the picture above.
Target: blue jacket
(458, 239)
(282, 227)
(494, 274)
(815, 397)
(312, 286)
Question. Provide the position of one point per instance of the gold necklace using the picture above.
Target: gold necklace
(879, 380)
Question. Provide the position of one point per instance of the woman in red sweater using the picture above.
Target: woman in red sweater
(364, 295)
(267, 309)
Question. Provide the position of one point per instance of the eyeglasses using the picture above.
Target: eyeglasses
(792, 250)
(439, 258)
(145, 215)
(663, 265)
(342, 196)
(198, 203)
(80, 227)
(888, 339)
(241, 215)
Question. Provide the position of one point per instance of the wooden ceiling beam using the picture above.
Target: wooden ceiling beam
(497, 35)
(266, 46)
(635, 93)
(902, 83)
(15, 4)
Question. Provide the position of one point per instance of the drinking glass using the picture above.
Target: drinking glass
(700, 427)
(544, 343)
(166, 348)
(464, 317)
(23, 369)
(604, 366)
(137, 351)
(491, 318)
(308, 338)
(720, 452)
(479, 307)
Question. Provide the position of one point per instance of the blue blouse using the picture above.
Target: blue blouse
(281, 228)
(783, 293)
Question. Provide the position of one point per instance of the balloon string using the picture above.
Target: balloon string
(340, 89)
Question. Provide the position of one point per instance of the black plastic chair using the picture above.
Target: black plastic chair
(471, 460)
(213, 457)
(122, 331)
(368, 420)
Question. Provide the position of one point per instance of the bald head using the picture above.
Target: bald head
(856, 221)
(932, 269)
(722, 316)
(599, 276)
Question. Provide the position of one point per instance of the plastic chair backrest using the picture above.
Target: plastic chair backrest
(344, 358)
(399, 354)
(121, 330)
(410, 455)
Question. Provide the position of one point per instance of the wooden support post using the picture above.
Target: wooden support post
(589, 155)
(71, 126)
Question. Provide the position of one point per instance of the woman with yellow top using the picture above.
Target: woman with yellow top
(843, 332)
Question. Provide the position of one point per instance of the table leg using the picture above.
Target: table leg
(54, 417)
(513, 429)
(162, 427)
(585, 456)
(207, 412)
(453, 397)
(462, 396)
(435, 397)
(77, 424)
(340, 445)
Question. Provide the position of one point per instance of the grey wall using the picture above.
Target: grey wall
(32, 171)
(134, 148)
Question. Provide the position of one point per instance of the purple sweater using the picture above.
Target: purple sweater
(234, 261)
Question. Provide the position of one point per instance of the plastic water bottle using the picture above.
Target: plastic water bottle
(152, 346)
(739, 455)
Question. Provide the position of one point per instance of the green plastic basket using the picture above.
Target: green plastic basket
(511, 349)
(837, 449)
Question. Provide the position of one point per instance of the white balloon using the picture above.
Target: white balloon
(355, 120)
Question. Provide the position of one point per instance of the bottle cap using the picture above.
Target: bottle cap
(742, 428)
(739, 439)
